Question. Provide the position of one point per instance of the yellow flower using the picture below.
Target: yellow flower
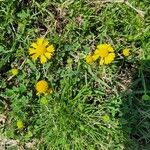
(41, 49)
(126, 52)
(105, 52)
(20, 124)
(14, 71)
(42, 87)
(89, 59)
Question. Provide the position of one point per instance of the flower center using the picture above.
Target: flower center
(41, 49)
(103, 53)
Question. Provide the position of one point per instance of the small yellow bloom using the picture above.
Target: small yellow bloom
(105, 53)
(14, 71)
(20, 124)
(89, 59)
(126, 52)
(42, 87)
(41, 49)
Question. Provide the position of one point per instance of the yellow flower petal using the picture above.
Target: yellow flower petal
(109, 58)
(110, 48)
(51, 48)
(34, 56)
(111, 55)
(40, 41)
(32, 51)
(102, 50)
(48, 55)
(89, 59)
(95, 57)
(34, 45)
(96, 51)
(102, 46)
(43, 59)
(101, 62)
(45, 43)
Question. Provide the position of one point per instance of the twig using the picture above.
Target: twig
(21, 66)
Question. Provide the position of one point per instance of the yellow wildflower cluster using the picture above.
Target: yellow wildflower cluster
(89, 59)
(41, 49)
(105, 54)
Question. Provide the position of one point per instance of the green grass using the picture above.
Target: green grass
(92, 107)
